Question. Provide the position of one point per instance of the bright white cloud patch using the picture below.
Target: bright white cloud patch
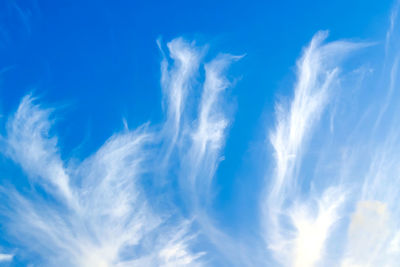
(5, 257)
(313, 224)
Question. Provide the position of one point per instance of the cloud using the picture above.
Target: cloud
(97, 212)
(177, 82)
(313, 226)
(29, 144)
(392, 24)
(196, 127)
(297, 227)
(91, 213)
(206, 137)
(105, 212)
(6, 257)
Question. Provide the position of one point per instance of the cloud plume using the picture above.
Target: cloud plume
(297, 227)
(97, 211)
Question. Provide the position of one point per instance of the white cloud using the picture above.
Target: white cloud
(100, 210)
(177, 82)
(6, 257)
(313, 224)
(296, 229)
(206, 136)
(29, 144)
(96, 212)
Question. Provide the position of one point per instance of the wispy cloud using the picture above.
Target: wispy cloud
(93, 212)
(96, 212)
(6, 257)
(350, 217)
(205, 138)
(28, 143)
(296, 226)
(177, 82)
(195, 138)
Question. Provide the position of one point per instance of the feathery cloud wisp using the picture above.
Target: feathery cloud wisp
(296, 229)
(97, 212)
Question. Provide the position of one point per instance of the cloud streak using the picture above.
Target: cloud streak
(6, 257)
(97, 212)
(296, 226)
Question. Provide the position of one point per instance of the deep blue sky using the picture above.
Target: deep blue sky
(101, 57)
(98, 62)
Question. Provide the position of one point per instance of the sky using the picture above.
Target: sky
(199, 133)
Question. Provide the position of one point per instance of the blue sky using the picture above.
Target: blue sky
(209, 133)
